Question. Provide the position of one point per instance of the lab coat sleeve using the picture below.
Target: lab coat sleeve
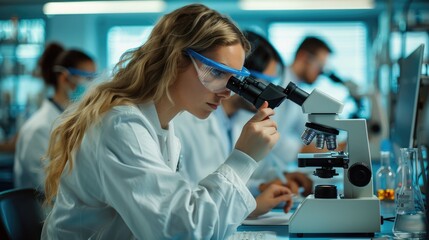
(29, 169)
(157, 203)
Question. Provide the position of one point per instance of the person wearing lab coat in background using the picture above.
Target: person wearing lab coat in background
(113, 158)
(309, 61)
(211, 140)
(310, 58)
(65, 71)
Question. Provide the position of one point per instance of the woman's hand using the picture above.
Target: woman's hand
(259, 134)
(271, 197)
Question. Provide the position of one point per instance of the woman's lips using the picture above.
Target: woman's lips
(214, 106)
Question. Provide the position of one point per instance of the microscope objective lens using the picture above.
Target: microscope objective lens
(331, 142)
(320, 141)
(308, 136)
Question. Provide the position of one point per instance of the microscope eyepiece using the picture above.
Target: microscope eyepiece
(257, 91)
(295, 94)
(249, 88)
(234, 84)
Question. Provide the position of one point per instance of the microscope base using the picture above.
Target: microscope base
(345, 216)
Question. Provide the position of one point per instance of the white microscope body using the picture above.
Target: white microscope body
(358, 210)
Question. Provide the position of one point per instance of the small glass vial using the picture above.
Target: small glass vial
(410, 221)
(385, 179)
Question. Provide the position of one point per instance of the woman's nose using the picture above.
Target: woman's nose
(224, 94)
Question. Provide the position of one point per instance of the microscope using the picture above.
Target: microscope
(357, 211)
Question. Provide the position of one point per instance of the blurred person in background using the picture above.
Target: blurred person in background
(69, 73)
(310, 59)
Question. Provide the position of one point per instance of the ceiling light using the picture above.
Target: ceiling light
(305, 4)
(102, 7)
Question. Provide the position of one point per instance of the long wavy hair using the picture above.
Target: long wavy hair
(143, 74)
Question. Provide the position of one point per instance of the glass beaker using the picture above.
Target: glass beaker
(385, 178)
(410, 221)
(398, 181)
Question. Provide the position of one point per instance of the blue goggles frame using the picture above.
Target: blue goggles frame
(76, 72)
(80, 73)
(207, 61)
(268, 78)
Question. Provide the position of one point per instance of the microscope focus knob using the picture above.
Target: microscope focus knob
(359, 174)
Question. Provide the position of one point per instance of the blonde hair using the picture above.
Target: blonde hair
(143, 74)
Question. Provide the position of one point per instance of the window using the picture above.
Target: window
(122, 38)
(21, 92)
(348, 41)
(413, 40)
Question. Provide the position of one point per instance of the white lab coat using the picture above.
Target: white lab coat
(204, 148)
(124, 185)
(205, 145)
(31, 146)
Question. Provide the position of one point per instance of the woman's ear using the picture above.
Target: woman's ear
(183, 61)
(62, 77)
(62, 80)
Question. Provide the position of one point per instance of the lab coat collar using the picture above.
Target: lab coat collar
(224, 129)
(223, 118)
(149, 111)
(56, 105)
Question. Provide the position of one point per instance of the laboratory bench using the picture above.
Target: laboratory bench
(282, 231)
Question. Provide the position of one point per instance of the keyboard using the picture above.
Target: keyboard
(257, 235)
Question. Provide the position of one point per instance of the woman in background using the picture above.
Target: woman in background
(68, 72)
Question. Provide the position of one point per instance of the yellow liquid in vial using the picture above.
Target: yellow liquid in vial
(388, 194)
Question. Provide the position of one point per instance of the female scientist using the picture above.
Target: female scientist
(113, 158)
(67, 72)
(213, 138)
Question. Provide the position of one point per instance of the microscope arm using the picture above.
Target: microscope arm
(323, 110)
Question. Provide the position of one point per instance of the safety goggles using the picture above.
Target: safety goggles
(213, 75)
(268, 78)
(77, 76)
